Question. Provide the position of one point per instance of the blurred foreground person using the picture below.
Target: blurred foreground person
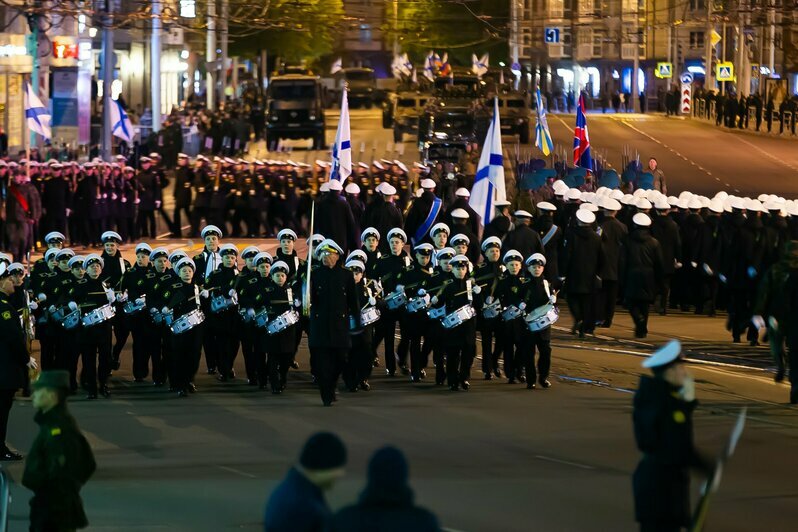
(386, 504)
(297, 504)
(663, 425)
(60, 461)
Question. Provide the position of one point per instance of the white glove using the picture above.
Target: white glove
(251, 313)
(232, 292)
(32, 363)
(153, 311)
(157, 204)
(707, 269)
(121, 297)
(141, 301)
(758, 321)
(434, 300)
(489, 300)
(105, 195)
(477, 289)
(421, 292)
(677, 264)
(109, 294)
(722, 278)
(137, 201)
(51, 309)
(42, 298)
(372, 301)
(69, 212)
(124, 199)
(33, 305)
(688, 389)
(774, 324)
(400, 288)
(165, 310)
(522, 306)
(552, 299)
(72, 306)
(751, 272)
(113, 196)
(693, 264)
(297, 303)
(204, 294)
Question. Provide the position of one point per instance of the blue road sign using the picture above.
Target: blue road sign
(551, 35)
(686, 77)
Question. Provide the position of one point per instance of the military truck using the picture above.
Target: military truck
(402, 111)
(295, 109)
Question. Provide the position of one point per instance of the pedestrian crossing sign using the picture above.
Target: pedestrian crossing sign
(664, 70)
(724, 71)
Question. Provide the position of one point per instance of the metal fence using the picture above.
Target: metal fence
(774, 122)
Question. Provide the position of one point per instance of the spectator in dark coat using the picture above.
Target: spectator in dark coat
(383, 215)
(582, 261)
(334, 219)
(386, 504)
(297, 504)
(666, 231)
(642, 272)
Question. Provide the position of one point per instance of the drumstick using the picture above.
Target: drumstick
(466, 291)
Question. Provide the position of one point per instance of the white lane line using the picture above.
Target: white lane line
(235, 471)
(565, 462)
(633, 128)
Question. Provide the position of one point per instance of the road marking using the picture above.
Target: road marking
(565, 462)
(236, 471)
(765, 153)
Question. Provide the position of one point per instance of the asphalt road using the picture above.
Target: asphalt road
(497, 457)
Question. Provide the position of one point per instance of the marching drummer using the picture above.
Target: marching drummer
(510, 291)
(388, 269)
(460, 243)
(489, 322)
(95, 300)
(286, 252)
(460, 339)
(221, 338)
(413, 279)
(206, 263)
(135, 283)
(280, 344)
(183, 303)
(361, 354)
(245, 326)
(371, 242)
(537, 295)
(440, 237)
(433, 342)
(158, 296)
(161, 276)
(114, 266)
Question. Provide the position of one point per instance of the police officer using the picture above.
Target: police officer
(663, 426)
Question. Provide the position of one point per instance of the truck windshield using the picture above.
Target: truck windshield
(293, 91)
(359, 76)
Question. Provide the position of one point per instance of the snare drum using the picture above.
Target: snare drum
(261, 318)
(458, 317)
(282, 322)
(512, 312)
(99, 315)
(418, 303)
(542, 317)
(367, 317)
(436, 313)
(221, 303)
(396, 300)
(187, 322)
(244, 315)
(132, 307)
(492, 310)
(66, 319)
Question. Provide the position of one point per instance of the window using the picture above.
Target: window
(365, 33)
(598, 41)
(696, 40)
(698, 5)
(556, 8)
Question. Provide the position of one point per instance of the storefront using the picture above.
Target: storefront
(15, 65)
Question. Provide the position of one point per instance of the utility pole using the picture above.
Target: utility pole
(514, 32)
(223, 45)
(155, 65)
(772, 39)
(210, 58)
(33, 50)
(709, 83)
(108, 77)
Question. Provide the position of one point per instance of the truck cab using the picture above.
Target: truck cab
(361, 84)
(295, 109)
(402, 113)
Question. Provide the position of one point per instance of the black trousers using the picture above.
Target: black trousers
(416, 327)
(511, 347)
(224, 341)
(177, 228)
(197, 215)
(433, 343)
(489, 330)
(664, 296)
(386, 331)
(67, 352)
(95, 352)
(121, 333)
(581, 307)
(638, 309)
(277, 368)
(186, 356)
(46, 332)
(6, 400)
(459, 359)
(608, 297)
(360, 360)
(539, 341)
(329, 363)
(146, 347)
(163, 340)
(146, 223)
(248, 349)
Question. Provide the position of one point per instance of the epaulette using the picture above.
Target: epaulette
(197, 257)
(177, 285)
(82, 281)
(252, 280)
(150, 275)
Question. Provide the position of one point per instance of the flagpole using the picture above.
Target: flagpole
(27, 144)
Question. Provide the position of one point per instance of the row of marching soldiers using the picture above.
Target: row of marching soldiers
(175, 307)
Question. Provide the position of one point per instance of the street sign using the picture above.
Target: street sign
(686, 78)
(724, 71)
(715, 38)
(664, 70)
(686, 98)
(551, 35)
